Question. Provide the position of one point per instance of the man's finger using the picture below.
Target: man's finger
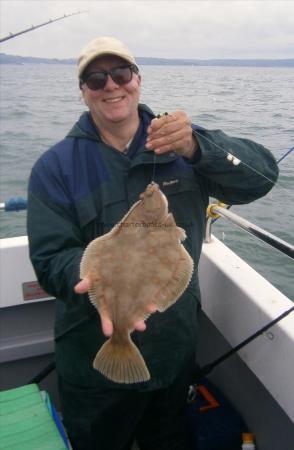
(164, 130)
(107, 325)
(83, 286)
(173, 141)
(157, 123)
(140, 326)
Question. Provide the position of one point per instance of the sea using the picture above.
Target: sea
(40, 102)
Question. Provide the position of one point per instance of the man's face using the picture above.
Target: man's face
(113, 103)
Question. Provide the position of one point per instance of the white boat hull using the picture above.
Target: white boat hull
(236, 301)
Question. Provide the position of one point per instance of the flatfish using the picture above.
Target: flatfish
(140, 264)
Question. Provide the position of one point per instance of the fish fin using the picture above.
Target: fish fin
(121, 362)
(98, 301)
(88, 269)
(168, 295)
(93, 249)
(180, 232)
(124, 221)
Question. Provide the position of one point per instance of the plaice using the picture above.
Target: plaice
(139, 265)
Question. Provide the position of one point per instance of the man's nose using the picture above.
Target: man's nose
(110, 84)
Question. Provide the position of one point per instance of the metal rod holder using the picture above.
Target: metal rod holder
(270, 239)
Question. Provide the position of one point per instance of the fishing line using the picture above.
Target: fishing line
(154, 154)
(285, 155)
(230, 155)
(153, 171)
(209, 367)
(278, 162)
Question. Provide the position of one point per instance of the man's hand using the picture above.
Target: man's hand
(82, 288)
(172, 132)
(107, 326)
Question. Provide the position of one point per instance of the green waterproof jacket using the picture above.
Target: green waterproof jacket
(80, 188)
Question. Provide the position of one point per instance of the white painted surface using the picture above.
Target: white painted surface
(15, 269)
(239, 301)
(235, 298)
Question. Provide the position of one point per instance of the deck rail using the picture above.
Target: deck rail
(216, 210)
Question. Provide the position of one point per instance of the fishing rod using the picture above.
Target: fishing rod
(34, 27)
(14, 204)
(19, 203)
(277, 161)
(285, 155)
(205, 370)
(200, 371)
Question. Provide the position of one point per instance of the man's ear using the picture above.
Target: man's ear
(83, 96)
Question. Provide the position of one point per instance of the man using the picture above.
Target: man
(79, 190)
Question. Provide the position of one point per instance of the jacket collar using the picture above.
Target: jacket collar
(85, 126)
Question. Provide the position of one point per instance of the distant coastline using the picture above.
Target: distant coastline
(14, 59)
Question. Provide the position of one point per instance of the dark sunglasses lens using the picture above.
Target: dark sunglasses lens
(121, 75)
(96, 81)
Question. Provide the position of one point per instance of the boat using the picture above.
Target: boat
(258, 380)
(245, 345)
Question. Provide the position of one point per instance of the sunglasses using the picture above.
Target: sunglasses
(120, 75)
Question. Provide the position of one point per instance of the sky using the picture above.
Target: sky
(200, 29)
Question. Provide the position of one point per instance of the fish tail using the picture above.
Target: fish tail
(121, 362)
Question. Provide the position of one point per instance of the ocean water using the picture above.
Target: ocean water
(40, 103)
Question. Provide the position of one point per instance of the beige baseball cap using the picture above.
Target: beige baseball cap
(103, 46)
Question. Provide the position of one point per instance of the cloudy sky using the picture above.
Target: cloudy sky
(163, 28)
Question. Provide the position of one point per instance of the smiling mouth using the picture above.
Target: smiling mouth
(113, 100)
